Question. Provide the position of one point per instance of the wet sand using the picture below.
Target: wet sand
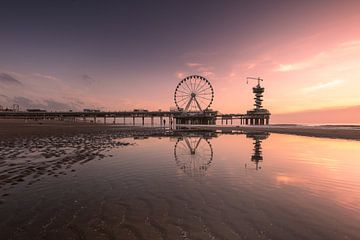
(13, 128)
(60, 145)
(65, 180)
(43, 128)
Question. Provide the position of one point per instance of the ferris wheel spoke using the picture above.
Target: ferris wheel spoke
(180, 91)
(185, 147)
(183, 104)
(191, 84)
(199, 83)
(182, 149)
(183, 99)
(194, 84)
(203, 90)
(205, 83)
(208, 93)
(202, 101)
(202, 85)
(187, 86)
(184, 88)
(205, 104)
(205, 98)
(182, 95)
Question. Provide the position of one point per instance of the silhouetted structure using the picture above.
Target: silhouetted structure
(193, 97)
(258, 115)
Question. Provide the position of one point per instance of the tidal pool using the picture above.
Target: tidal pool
(182, 185)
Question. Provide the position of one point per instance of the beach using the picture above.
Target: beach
(10, 128)
(20, 128)
(62, 180)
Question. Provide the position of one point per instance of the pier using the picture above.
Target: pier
(154, 117)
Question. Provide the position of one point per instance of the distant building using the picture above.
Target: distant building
(91, 110)
(16, 107)
(140, 110)
(35, 110)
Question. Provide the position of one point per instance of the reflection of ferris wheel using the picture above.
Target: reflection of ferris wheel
(193, 94)
(193, 155)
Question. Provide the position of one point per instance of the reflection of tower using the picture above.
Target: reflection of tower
(193, 155)
(257, 154)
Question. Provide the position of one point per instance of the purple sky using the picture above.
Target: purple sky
(118, 55)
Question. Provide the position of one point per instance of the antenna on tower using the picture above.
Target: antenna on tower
(254, 78)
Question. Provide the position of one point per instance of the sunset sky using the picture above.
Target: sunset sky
(120, 55)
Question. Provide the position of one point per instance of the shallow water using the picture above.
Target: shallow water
(186, 186)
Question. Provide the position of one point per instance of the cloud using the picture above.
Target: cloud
(193, 65)
(322, 58)
(180, 75)
(324, 85)
(49, 77)
(46, 92)
(354, 43)
(302, 64)
(342, 114)
(197, 68)
(8, 79)
(87, 79)
(208, 73)
(48, 104)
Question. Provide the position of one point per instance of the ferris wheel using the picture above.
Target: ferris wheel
(193, 94)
